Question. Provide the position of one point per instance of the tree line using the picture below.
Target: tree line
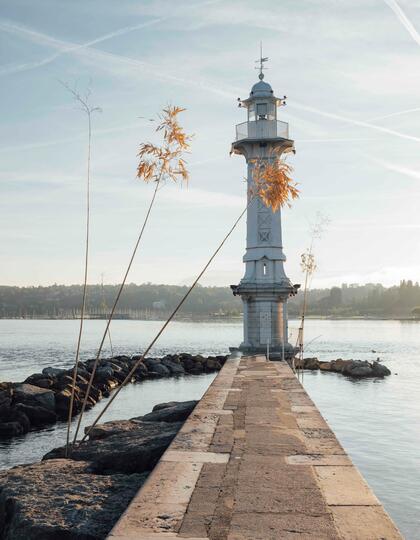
(151, 301)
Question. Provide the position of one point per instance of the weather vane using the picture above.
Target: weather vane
(261, 61)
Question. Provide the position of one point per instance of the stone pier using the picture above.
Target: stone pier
(255, 461)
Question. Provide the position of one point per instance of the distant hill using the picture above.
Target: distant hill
(150, 301)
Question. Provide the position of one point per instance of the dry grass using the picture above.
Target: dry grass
(166, 161)
(273, 183)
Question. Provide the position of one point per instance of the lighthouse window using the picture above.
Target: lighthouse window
(262, 111)
(264, 269)
(251, 112)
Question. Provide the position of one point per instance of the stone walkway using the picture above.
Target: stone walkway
(255, 461)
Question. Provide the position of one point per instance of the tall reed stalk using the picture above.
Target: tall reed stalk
(88, 110)
(157, 164)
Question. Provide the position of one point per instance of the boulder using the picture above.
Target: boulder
(174, 368)
(160, 406)
(361, 371)
(311, 363)
(379, 370)
(62, 499)
(178, 412)
(123, 451)
(211, 364)
(38, 416)
(33, 395)
(141, 371)
(104, 372)
(357, 368)
(53, 372)
(114, 427)
(325, 366)
(159, 368)
(338, 365)
(11, 429)
(62, 400)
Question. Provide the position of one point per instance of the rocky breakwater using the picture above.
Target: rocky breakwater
(44, 398)
(82, 497)
(351, 368)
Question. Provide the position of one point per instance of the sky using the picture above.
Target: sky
(350, 69)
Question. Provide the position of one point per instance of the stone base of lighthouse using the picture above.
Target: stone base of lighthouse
(265, 318)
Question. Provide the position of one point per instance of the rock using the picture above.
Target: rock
(211, 364)
(161, 406)
(338, 365)
(193, 365)
(61, 499)
(114, 427)
(174, 368)
(124, 451)
(311, 363)
(38, 416)
(53, 372)
(141, 371)
(357, 368)
(62, 401)
(103, 373)
(161, 370)
(11, 429)
(100, 431)
(325, 366)
(379, 370)
(178, 412)
(33, 395)
(362, 371)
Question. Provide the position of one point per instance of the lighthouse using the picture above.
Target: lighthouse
(265, 288)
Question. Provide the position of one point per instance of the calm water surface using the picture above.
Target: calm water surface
(377, 421)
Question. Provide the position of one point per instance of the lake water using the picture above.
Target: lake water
(377, 421)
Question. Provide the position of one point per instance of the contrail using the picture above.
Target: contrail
(359, 123)
(404, 20)
(63, 47)
(398, 113)
(411, 173)
(226, 92)
(68, 47)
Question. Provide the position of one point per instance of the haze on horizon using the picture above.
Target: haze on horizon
(351, 71)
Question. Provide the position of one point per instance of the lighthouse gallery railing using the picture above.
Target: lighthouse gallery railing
(262, 129)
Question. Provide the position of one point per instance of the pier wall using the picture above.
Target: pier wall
(255, 461)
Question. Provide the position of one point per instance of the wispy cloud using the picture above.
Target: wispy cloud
(404, 20)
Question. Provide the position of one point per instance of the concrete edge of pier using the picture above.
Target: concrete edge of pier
(255, 460)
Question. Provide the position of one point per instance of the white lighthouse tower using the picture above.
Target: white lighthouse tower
(265, 288)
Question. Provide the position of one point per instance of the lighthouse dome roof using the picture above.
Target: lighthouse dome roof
(261, 89)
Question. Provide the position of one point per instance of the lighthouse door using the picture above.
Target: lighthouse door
(265, 327)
